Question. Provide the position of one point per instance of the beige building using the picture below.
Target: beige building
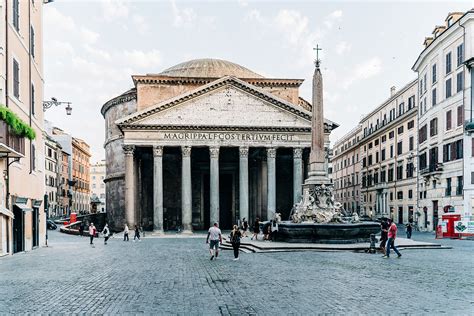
(98, 186)
(346, 170)
(81, 176)
(52, 164)
(21, 91)
(446, 145)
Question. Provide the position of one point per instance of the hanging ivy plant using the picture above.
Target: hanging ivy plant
(17, 126)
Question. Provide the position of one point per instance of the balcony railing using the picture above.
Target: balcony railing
(10, 139)
(432, 169)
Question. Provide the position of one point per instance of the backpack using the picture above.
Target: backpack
(235, 238)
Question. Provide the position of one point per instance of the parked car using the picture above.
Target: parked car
(51, 225)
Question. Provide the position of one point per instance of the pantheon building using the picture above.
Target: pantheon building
(205, 141)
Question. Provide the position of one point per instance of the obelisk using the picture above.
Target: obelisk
(317, 172)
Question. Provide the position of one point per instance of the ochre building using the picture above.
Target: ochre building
(205, 141)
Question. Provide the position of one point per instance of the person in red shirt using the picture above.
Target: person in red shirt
(392, 234)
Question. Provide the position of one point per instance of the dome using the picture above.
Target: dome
(209, 68)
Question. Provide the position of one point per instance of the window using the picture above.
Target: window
(390, 174)
(422, 134)
(32, 41)
(16, 14)
(460, 54)
(401, 108)
(433, 97)
(423, 161)
(448, 88)
(433, 158)
(391, 151)
(383, 176)
(364, 162)
(400, 172)
(448, 120)
(370, 160)
(460, 115)
(410, 194)
(400, 148)
(33, 157)
(448, 63)
(459, 149)
(433, 73)
(384, 138)
(411, 124)
(410, 169)
(391, 134)
(448, 187)
(446, 152)
(377, 157)
(434, 127)
(400, 195)
(460, 81)
(32, 100)
(460, 186)
(391, 196)
(411, 102)
(383, 153)
(16, 79)
(370, 145)
(376, 142)
(400, 130)
(411, 143)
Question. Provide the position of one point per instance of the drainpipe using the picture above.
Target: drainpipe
(29, 78)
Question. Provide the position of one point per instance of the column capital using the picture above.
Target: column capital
(297, 152)
(271, 152)
(128, 149)
(244, 152)
(186, 151)
(157, 151)
(214, 151)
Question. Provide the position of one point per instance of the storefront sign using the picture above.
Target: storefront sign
(444, 226)
(464, 227)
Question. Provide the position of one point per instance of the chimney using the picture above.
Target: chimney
(392, 91)
(428, 41)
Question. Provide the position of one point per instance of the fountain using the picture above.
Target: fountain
(318, 218)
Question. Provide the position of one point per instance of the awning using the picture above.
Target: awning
(7, 152)
(23, 207)
(6, 212)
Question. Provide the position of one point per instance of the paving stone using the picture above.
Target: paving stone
(175, 276)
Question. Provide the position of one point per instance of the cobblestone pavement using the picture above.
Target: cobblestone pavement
(175, 276)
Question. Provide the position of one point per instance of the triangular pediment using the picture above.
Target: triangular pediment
(227, 102)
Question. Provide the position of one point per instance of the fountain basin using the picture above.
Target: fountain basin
(325, 233)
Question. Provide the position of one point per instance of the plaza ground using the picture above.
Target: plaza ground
(175, 276)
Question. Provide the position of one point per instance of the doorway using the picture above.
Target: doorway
(18, 230)
(435, 214)
(226, 200)
(34, 226)
(400, 215)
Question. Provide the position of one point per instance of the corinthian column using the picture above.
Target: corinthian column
(214, 185)
(244, 182)
(297, 174)
(158, 189)
(129, 185)
(186, 197)
(271, 186)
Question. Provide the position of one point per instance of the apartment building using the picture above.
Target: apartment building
(80, 176)
(22, 217)
(98, 186)
(446, 146)
(63, 185)
(346, 170)
(52, 153)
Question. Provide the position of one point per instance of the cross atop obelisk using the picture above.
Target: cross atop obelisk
(317, 172)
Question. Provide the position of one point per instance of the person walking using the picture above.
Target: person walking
(92, 232)
(383, 234)
(392, 235)
(409, 229)
(106, 232)
(256, 229)
(81, 230)
(215, 235)
(125, 233)
(235, 236)
(137, 233)
(245, 227)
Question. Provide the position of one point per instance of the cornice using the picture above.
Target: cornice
(127, 96)
(114, 176)
(132, 127)
(261, 82)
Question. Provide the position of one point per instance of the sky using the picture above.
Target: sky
(92, 48)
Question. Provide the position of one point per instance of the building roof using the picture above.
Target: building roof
(209, 68)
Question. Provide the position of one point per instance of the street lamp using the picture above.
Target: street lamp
(55, 102)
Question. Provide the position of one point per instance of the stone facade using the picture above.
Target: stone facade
(184, 152)
(97, 176)
(81, 176)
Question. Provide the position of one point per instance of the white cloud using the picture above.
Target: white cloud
(362, 71)
(141, 59)
(140, 23)
(182, 17)
(332, 18)
(343, 48)
(243, 3)
(293, 25)
(114, 9)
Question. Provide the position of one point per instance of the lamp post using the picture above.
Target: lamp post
(55, 102)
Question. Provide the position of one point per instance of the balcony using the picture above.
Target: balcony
(432, 169)
(11, 145)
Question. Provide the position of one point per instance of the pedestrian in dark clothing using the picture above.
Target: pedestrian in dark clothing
(137, 233)
(106, 233)
(235, 236)
(383, 234)
(256, 229)
(409, 229)
(245, 227)
(81, 230)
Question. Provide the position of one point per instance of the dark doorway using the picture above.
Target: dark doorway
(171, 188)
(226, 199)
(284, 182)
(400, 215)
(18, 230)
(425, 214)
(34, 226)
(435, 214)
(206, 200)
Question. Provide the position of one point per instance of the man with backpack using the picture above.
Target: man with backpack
(215, 235)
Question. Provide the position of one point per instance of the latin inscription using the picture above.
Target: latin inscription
(229, 136)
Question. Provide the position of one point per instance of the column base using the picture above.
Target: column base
(187, 232)
(158, 232)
